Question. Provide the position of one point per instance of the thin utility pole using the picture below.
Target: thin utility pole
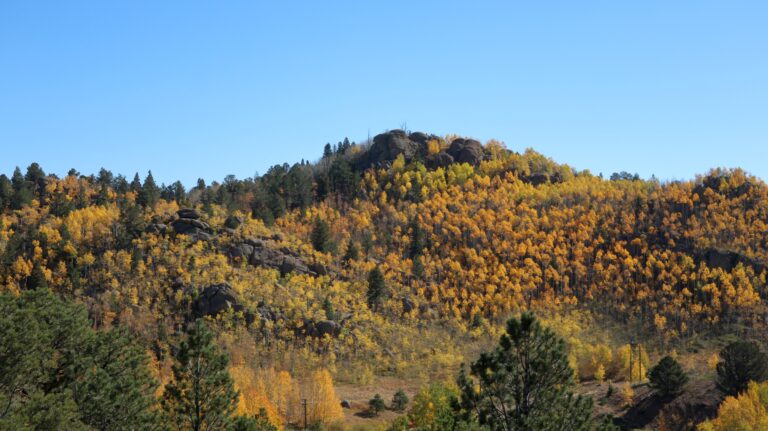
(631, 350)
(304, 403)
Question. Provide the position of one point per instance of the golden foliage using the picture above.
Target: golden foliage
(323, 405)
(747, 412)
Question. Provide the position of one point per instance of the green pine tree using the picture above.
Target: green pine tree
(399, 400)
(376, 404)
(740, 363)
(321, 236)
(150, 193)
(667, 377)
(58, 373)
(526, 383)
(202, 396)
(376, 289)
(352, 253)
(418, 239)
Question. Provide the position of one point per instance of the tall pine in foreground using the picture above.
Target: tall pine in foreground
(202, 396)
(526, 384)
(57, 373)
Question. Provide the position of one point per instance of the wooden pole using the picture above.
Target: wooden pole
(631, 350)
(304, 403)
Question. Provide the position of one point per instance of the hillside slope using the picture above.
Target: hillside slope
(464, 234)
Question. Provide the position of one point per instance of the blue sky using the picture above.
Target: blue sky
(204, 89)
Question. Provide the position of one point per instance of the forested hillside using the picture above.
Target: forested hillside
(403, 256)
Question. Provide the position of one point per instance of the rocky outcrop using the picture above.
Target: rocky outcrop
(188, 223)
(319, 268)
(388, 146)
(466, 151)
(256, 253)
(293, 264)
(423, 140)
(188, 213)
(216, 299)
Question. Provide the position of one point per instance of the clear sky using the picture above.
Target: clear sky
(194, 89)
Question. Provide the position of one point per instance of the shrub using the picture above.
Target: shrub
(376, 404)
(399, 401)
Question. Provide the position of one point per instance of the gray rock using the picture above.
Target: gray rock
(189, 226)
(216, 299)
(318, 268)
(466, 151)
(345, 404)
(256, 243)
(327, 327)
(241, 251)
(188, 213)
(292, 264)
(439, 160)
(156, 228)
(423, 140)
(386, 147)
(202, 236)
